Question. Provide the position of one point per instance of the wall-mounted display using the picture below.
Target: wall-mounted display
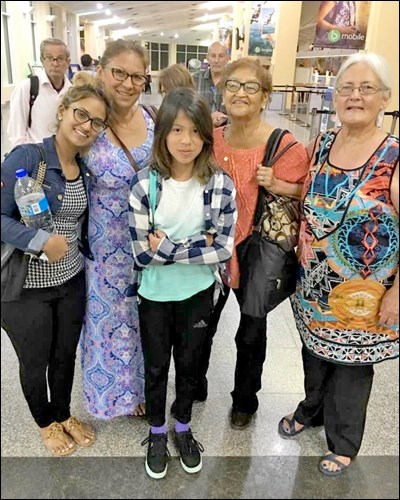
(262, 29)
(342, 25)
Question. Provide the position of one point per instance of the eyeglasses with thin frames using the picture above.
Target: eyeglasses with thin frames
(81, 116)
(58, 60)
(365, 89)
(136, 78)
(249, 87)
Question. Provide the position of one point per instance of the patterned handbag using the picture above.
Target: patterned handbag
(268, 263)
(280, 219)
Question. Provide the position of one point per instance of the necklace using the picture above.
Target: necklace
(228, 128)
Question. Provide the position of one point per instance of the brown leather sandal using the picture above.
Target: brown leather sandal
(56, 431)
(73, 425)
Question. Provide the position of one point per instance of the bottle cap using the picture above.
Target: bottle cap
(21, 172)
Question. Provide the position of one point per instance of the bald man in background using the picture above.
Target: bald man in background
(207, 81)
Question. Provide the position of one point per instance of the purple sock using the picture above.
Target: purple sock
(181, 427)
(158, 430)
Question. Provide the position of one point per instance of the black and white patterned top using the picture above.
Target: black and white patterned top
(42, 274)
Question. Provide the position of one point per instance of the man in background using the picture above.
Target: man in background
(207, 81)
(53, 83)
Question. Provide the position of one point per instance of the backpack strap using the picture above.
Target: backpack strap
(34, 91)
(152, 111)
(153, 178)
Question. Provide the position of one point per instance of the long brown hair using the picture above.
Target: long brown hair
(198, 111)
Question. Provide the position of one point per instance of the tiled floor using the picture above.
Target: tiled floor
(254, 463)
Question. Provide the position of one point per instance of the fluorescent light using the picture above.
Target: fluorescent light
(99, 6)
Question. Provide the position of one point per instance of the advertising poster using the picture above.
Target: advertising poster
(262, 29)
(225, 34)
(342, 25)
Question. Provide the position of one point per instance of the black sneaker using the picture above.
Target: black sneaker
(189, 450)
(157, 455)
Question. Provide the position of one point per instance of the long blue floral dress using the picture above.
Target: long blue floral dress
(112, 359)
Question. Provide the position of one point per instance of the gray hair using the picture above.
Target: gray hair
(215, 44)
(53, 41)
(376, 63)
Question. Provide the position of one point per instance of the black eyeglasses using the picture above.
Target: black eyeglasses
(58, 60)
(249, 87)
(81, 116)
(136, 78)
(365, 89)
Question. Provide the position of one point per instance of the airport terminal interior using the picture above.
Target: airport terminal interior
(252, 463)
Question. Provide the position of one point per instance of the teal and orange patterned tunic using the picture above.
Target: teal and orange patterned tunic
(348, 254)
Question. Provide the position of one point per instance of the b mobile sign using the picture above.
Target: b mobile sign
(342, 25)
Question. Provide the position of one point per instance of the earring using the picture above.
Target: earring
(379, 118)
(59, 117)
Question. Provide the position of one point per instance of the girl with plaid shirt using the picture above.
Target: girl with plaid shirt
(182, 219)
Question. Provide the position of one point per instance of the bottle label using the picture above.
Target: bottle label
(34, 208)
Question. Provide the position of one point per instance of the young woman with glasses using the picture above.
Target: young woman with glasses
(112, 360)
(240, 148)
(45, 322)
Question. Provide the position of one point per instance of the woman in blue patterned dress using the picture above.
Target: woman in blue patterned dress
(346, 304)
(112, 359)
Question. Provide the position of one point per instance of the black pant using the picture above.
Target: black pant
(180, 325)
(337, 397)
(251, 345)
(44, 327)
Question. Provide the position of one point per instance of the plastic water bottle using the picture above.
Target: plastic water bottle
(32, 203)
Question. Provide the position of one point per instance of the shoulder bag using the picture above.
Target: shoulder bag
(267, 261)
(14, 262)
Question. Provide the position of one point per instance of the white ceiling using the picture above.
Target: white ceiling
(192, 21)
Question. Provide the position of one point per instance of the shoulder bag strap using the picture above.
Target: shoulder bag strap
(41, 172)
(126, 151)
(271, 147)
(270, 158)
(152, 111)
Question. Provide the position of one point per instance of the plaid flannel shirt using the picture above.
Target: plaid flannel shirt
(220, 217)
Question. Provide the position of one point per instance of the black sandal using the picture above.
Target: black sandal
(332, 457)
(292, 430)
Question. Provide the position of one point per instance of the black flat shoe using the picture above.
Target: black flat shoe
(240, 420)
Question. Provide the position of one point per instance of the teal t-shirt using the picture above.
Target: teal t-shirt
(180, 215)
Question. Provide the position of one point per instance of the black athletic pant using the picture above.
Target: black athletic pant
(44, 326)
(179, 326)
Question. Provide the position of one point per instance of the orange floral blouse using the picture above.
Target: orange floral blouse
(241, 165)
